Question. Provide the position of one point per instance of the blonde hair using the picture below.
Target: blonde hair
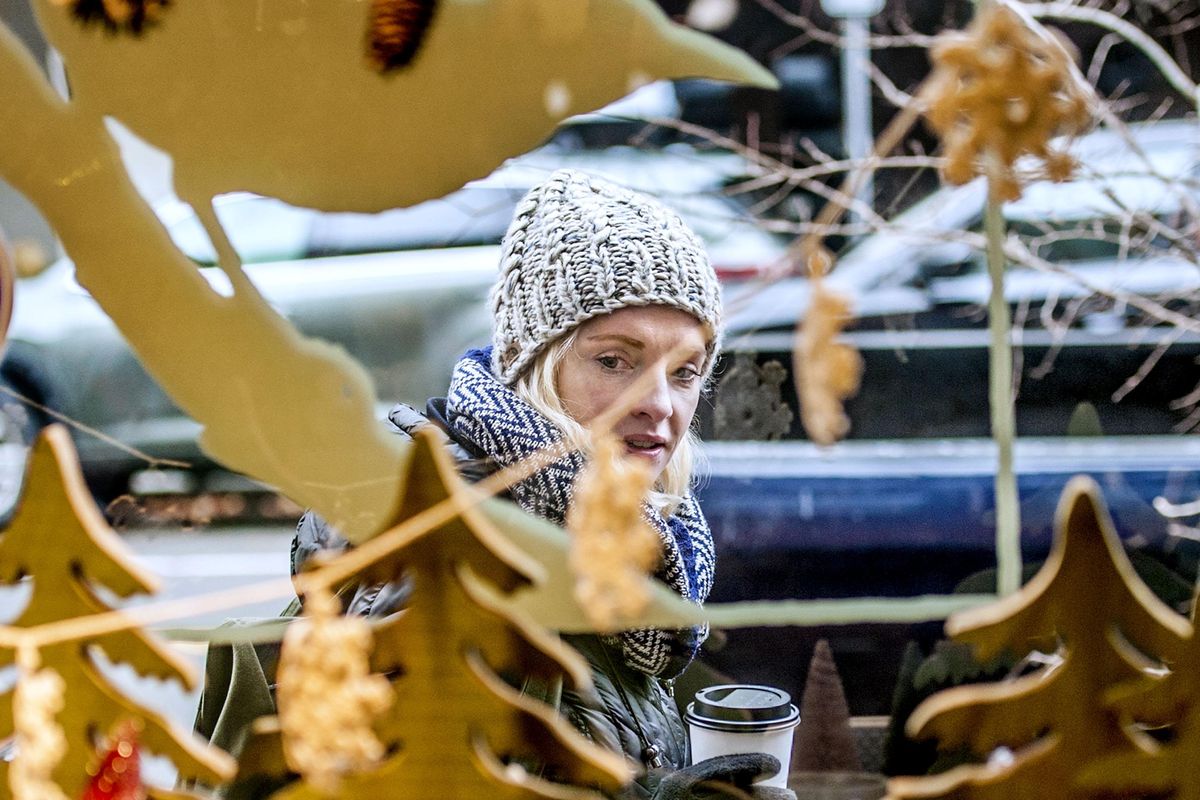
(538, 386)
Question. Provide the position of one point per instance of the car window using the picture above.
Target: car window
(1085, 244)
(263, 229)
(469, 217)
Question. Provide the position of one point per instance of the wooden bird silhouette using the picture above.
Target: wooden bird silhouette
(280, 98)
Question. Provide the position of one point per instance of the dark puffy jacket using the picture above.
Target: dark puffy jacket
(627, 711)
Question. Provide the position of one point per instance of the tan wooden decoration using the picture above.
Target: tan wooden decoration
(459, 656)
(60, 542)
(1157, 769)
(1088, 605)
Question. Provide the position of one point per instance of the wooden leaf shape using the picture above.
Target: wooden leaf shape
(60, 542)
(58, 532)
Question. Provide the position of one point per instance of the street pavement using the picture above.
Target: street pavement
(215, 560)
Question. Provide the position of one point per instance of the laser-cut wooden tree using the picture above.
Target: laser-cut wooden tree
(460, 725)
(1171, 769)
(60, 542)
(1088, 604)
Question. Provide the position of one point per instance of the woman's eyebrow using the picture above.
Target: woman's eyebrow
(697, 355)
(629, 340)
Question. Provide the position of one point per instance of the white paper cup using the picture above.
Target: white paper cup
(741, 718)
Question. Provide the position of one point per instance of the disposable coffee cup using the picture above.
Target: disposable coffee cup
(741, 718)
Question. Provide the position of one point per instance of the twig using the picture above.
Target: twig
(153, 461)
(1172, 511)
(888, 88)
(1134, 380)
(896, 129)
(1132, 34)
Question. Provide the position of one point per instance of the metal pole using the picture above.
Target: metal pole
(856, 103)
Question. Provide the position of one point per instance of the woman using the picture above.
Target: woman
(598, 287)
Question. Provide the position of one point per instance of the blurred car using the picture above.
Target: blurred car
(402, 291)
(904, 507)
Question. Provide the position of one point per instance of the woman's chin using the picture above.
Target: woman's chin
(655, 458)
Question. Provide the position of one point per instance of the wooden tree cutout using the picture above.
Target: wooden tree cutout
(460, 725)
(1171, 769)
(59, 540)
(1088, 604)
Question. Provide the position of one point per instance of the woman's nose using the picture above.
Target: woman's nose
(656, 402)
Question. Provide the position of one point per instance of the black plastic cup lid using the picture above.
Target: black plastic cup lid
(742, 707)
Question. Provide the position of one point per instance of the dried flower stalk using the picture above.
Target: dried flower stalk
(613, 547)
(826, 371)
(40, 741)
(328, 698)
(1003, 91)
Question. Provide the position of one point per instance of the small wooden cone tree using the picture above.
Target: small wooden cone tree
(824, 740)
(1088, 603)
(59, 540)
(460, 726)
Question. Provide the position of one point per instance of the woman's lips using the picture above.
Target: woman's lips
(649, 447)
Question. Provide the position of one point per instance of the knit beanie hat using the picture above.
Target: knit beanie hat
(579, 247)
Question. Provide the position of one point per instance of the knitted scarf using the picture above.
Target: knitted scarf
(490, 415)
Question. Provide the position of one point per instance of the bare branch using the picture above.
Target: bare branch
(1131, 33)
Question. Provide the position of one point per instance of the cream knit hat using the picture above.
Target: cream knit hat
(579, 247)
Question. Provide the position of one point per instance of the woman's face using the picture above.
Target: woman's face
(613, 351)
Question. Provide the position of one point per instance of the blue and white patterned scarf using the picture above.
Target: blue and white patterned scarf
(491, 416)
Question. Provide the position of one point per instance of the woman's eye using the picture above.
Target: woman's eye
(686, 374)
(608, 362)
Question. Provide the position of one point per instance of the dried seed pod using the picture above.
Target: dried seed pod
(613, 547)
(40, 742)
(826, 371)
(328, 699)
(396, 30)
(131, 15)
(1003, 91)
